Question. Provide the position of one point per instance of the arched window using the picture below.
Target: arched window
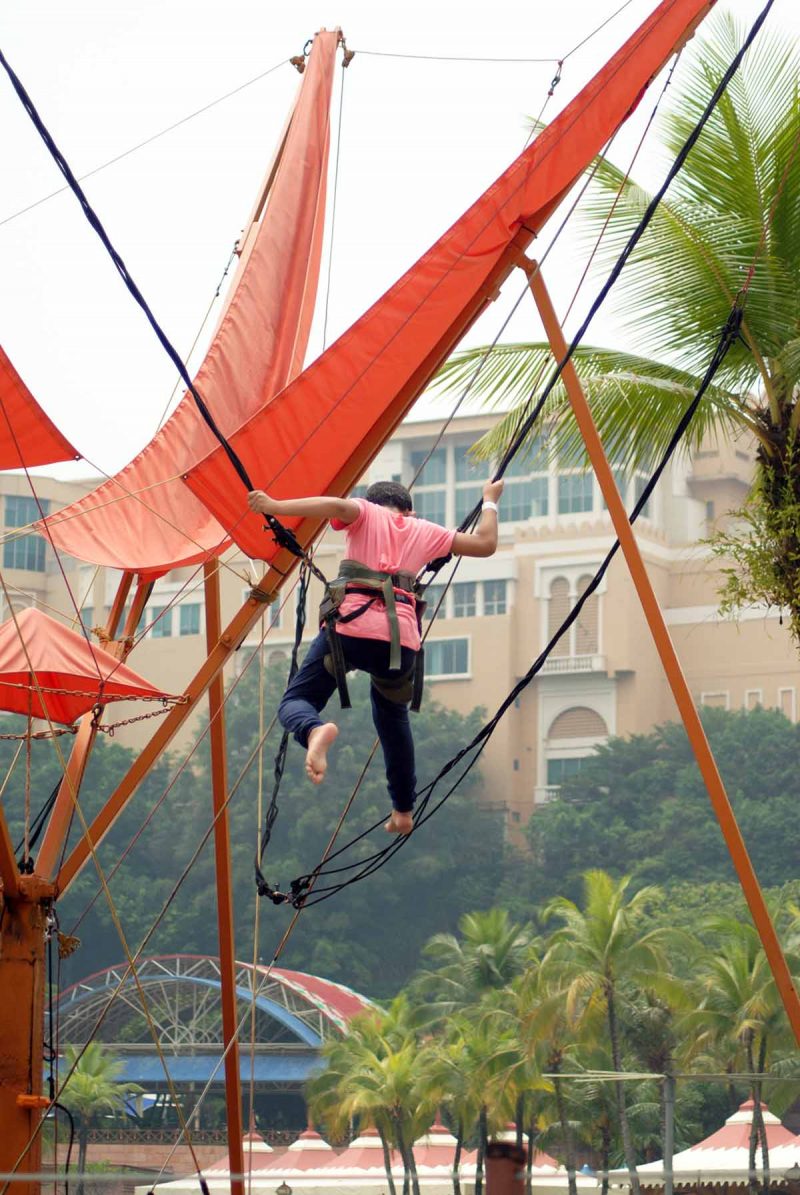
(579, 722)
(571, 738)
(558, 609)
(586, 636)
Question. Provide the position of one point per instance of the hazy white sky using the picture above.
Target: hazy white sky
(420, 140)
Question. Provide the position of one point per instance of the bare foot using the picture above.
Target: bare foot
(319, 740)
(399, 823)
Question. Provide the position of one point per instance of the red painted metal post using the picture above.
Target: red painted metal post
(22, 981)
(222, 857)
(669, 658)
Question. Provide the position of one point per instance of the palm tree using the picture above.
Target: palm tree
(93, 1088)
(599, 949)
(742, 1015)
(736, 202)
(490, 953)
(377, 1073)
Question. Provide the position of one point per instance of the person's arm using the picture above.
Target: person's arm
(483, 540)
(322, 507)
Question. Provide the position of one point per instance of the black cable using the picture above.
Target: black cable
(63, 1108)
(301, 884)
(283, 536)
(527, 422)
(262, 885)
(39, 822)
(729, 335)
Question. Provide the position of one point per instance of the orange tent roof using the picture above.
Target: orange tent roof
(27, 436)
(259, 346)
(56, 658)
(320, 434)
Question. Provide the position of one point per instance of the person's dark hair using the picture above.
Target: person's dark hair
(390, 493)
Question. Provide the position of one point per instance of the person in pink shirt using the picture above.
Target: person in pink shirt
(383, 535)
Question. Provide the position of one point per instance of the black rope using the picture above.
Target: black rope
(300, 886)
(283, 536)
(263, 886)
(527, 422)
(39, 822)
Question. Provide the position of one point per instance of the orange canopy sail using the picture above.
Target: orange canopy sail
(55, 658)
(145, 520)
(27, 436)
(319, 435)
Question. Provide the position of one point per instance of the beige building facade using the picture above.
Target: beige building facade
(603, 678)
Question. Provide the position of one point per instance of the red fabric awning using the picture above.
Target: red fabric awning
(320, 434)
(60, 659)
(258, 348)
(27, 436)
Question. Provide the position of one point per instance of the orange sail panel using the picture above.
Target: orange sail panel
(27, 436)
(320, 434)
(56, 658)
(145, 520)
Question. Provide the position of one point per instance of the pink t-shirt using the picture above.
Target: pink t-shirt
(382, 539)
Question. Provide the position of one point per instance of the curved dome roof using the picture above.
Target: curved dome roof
(183, 995)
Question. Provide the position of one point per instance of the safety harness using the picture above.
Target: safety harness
(391, 589)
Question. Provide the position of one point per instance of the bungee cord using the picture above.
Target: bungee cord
(730, 333)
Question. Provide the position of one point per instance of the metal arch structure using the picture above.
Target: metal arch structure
(184, 995)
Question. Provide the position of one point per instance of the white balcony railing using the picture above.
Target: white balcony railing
(544, 793)
(565, 664)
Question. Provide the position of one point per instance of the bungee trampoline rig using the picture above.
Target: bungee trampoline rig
(253, 412)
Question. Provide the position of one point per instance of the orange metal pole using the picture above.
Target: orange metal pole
(22, 941)
(669, 658)
(228, 642)
(9, 872)
(222, 859)
(61, 818)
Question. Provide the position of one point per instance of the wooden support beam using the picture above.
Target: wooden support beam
(669, 657)
(222, 859)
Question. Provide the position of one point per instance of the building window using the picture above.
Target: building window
(582, 638)
(464, 599)
(526, 489)
(447, 657)
(575, 493)
(558, 608)
(494, 597)
(639, 484)
(559, 770)
(584, 631)
(431, 504)
(432, 596)
(468, 481)
(719, 699)
(190, 619)
(27, 551)
(87, 617)
(786, 703)
(359, 491)
(753, 698)
(430, 487)
(579, 722)
(161, 619)
(432, 466)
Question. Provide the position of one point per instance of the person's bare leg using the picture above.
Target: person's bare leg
(319, 740)
(399, 823)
